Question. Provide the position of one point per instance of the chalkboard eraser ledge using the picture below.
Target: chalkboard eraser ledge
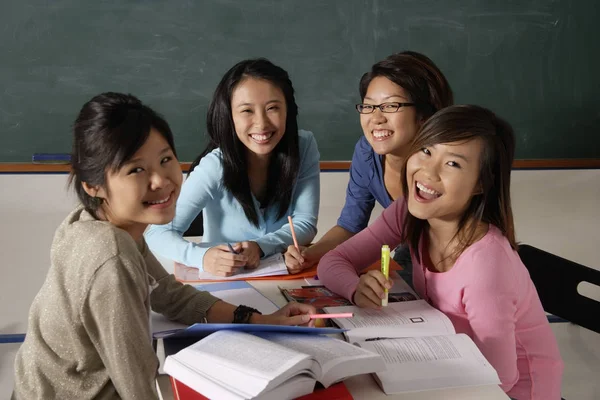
(51, 158)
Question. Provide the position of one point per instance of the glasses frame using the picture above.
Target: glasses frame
(380, 106)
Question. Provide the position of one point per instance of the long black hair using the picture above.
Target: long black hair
(285, 158)
(418, 75)
(108, 131)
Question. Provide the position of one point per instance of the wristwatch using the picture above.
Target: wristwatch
(242, 314)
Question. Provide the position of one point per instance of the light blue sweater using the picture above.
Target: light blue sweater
(224, 218)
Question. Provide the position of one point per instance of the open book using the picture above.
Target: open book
(269, 266)
(239, 365)
(419, 345)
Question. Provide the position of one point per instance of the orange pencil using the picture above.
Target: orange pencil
(293, 233)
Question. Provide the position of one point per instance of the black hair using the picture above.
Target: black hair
(108, 131)
(285, 158)
(460, 124)
(418, 76)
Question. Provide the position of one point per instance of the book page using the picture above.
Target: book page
(242, 361)
(248, 296)
(205, 386)
(402, 319)
(270, 266)
(434, 362)
(337, 359)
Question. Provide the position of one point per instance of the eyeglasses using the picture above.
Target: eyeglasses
(384, 107)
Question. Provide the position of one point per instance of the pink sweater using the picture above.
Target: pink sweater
(487, 295)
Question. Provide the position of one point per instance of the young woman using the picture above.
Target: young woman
(459, 227)
(89, 335)
(398, 95)
(257, 170)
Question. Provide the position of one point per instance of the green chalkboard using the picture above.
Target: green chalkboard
(535, 62)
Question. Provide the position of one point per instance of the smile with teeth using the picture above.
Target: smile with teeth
(159, 201)
(382, 133)
(427, 190)
(261, 137)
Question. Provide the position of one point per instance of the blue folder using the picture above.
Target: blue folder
(202, 330)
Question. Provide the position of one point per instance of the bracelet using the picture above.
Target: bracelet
(242, 314)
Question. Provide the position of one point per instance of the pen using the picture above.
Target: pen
(231, 249)
(385, 269)
(293, 232)
(342, 315)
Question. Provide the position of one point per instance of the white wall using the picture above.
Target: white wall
(554, 210)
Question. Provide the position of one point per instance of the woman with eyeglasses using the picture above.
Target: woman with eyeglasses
(398, 95)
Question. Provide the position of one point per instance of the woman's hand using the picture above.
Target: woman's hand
(292, 314)
(370, 289)
(253, 253)
(219, 261)
(299, 259)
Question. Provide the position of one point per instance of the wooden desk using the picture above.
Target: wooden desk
(363, 386)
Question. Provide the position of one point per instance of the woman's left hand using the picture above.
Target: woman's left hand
(292, 314)
(253, 252)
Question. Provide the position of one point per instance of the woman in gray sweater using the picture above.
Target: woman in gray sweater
(89, 335)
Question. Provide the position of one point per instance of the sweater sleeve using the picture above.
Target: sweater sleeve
(198, 189)
(115, 316)
(305, 203)
(176, 301)
(339, 269)
(490, 302)
(359, 199)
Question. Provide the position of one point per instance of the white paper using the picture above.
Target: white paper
(242, 362)
(248, 296)
(271, 266)
(402, 319)
(435, 362)
(330, 354)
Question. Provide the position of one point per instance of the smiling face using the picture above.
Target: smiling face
(259, 112)
(144, 190)
(388, 133)
(442, 179)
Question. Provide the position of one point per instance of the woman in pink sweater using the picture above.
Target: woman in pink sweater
(459, 227)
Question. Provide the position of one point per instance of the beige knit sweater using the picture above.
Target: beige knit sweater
(89, 334)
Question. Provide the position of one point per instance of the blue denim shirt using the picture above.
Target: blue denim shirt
(366, 186)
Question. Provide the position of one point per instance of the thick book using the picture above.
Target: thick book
(233, 365)
(339, 391)
(419, 345)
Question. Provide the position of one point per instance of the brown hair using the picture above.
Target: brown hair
(492, 205)
(418, 76)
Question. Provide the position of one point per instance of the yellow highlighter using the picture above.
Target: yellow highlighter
(385, 269)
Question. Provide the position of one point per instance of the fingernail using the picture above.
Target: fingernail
(305, 318)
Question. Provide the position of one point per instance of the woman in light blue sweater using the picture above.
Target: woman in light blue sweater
(257, 169)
